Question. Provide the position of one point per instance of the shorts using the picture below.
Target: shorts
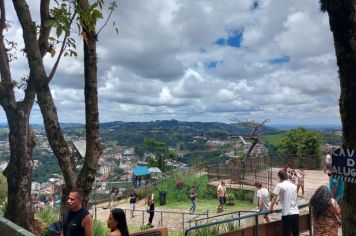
(222, 200)
(133, 205)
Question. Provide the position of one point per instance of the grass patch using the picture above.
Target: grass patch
(208, 204)
(272, 139)
(178, 186)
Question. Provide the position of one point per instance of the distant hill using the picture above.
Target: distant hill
(172, 132)
(175, 125)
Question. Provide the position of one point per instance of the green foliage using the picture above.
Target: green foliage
(300, 141)
(239, 194)
(99, 228)
(216, 229)
(48, 215)
(142, 192)
(145, 227)
(3, 189)
(49, 165)
(161, 152)
(230, 200)
(181, 193)
(272, 139)
(3, 206)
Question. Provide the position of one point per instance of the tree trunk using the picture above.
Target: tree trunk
(343, 26)
(19, 170)
(86, 177)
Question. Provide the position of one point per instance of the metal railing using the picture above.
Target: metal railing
(219, 216)
(180, 216)
(239, 218)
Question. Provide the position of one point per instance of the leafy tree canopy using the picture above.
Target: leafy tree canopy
(300, 141)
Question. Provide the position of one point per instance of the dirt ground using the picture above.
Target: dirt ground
(174, 220)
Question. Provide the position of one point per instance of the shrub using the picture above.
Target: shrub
(48, 215)
(230, 200)
(100, 229)
(180, 183)
(180, 194)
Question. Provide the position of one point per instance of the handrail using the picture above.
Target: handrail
(195, 218)
(224, 214)
(237, 218)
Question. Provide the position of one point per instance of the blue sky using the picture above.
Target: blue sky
(203, 60)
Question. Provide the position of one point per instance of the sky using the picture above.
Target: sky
(201, 60)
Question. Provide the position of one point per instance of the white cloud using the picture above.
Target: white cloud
(164, 63)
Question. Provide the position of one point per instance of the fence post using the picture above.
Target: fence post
(183, 220)
(239, 219)
(143, 217)
(256, 217)
(255, 175)
(161, 218)
(310, 222)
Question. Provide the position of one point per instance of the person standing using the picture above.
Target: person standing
(76, 219)
(328, 162)
(287, 193)
(221, 192)
(133, 201)
(300, 181)
(193, 198)
(150, 208)
(263, 202)
(117, 223)
(326, 213)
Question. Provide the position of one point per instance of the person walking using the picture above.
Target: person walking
(300, 181)
(287, 193)
(150, 208)
(263, 202)
(326, 213)
(222, 193)
(193, 198)
(77, 220)
(133, 201)
(117, 223)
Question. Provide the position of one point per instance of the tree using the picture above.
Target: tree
(21, 139)
(88, 14)
(253, 135)
(342, 18)
(299, 142)
(161, 152)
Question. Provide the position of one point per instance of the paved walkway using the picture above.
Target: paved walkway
(174, 221)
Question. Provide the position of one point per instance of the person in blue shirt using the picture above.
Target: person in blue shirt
(337, 189)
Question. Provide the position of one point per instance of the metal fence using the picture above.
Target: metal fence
(256, 226)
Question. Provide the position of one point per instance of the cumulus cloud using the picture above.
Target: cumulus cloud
(204, 60)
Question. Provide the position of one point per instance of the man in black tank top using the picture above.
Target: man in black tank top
(76, 220)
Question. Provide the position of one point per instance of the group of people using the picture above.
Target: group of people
(324, 204)
(77, 220)
(296, 177)
(221, 194)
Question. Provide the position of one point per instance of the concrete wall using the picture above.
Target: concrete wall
(8, 228)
